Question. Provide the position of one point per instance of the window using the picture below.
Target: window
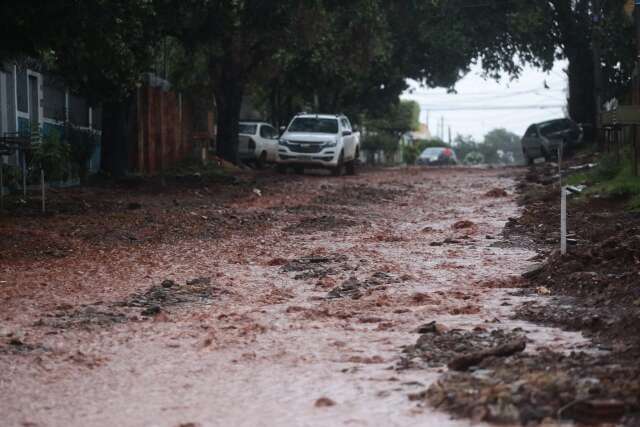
(314, 125)
(247, 129)
(78, 111)
(23, 91)
(346, 125)
(96, 118)
(557, 126)
(530, 132)
(54, 99)
(267, 132)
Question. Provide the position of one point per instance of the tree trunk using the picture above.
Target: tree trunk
(582, 106)
(116, 124)
(229, 92)
(229, 101)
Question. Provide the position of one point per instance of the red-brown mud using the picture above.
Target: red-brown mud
(222, 306)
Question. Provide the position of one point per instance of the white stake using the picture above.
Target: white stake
(563, 205)
(563, 221)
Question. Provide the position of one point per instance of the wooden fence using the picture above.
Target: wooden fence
(620, 129)
(169, 130)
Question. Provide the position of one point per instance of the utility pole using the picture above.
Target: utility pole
(597, 64)
(636, 77)
(449, 135)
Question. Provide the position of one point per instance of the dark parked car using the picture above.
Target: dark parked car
(543, 139)
(437, 156)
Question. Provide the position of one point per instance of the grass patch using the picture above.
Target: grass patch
(612, 179)
(578, 178)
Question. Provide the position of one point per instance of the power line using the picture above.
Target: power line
(493, 108)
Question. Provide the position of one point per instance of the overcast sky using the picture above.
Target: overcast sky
(481, 105)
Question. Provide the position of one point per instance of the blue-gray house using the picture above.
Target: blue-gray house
(35, 103)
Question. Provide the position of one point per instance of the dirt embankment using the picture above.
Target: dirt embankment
(594, 289)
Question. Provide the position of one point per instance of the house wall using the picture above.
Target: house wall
(54, 104)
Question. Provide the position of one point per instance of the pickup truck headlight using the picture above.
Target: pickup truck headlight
(330, 144)
(283, 142)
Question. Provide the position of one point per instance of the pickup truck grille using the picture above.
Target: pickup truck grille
(305, 147)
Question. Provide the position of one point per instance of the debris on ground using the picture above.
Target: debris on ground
(82, 317)
(321, 223)
(464, 224)
(355, 289)
(315, 267)
(169, 293)
(324, 402)
(466, 361)
(497, 193)
(529, 389)
(438, 347)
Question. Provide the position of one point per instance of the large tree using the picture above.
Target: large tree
(98, 47)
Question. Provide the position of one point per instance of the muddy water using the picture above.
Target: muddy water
(268, 344)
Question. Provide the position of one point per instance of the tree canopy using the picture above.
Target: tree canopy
(326, 55)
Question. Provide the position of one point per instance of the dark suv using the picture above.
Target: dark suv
(543, 139)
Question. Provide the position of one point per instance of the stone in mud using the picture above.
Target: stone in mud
(438, 347)
(324, 402)
(151, 311)
(497, 193)
(168, 284)
(464, 224)
(350, 288)
(464, 362)
(432, 328)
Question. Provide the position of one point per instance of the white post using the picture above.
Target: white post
(563, 205)
(43, 192)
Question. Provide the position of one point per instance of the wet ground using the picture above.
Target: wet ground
(273, 301)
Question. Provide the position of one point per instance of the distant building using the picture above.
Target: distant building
(423, 133)
(34, 103)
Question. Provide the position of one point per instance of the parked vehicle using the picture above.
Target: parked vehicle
(543, 139)
(258, 143)
(319, 141)
(437, 156)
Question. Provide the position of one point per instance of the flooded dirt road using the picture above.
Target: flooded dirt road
(294, 316)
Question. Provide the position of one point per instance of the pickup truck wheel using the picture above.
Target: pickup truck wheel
(337, 170)
(280, 168)
(261, 161)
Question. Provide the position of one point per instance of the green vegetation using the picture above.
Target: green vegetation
(499, 147)
(53, 156)
(384, 131)
(612, 178)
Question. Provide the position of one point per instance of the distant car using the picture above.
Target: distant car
(437, 156)
(543, 139)
(258, 143)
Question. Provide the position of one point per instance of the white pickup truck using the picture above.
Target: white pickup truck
(319, 141)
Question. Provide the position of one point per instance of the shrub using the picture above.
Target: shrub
(82, 145)
(53, 156)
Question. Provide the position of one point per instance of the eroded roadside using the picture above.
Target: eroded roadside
(298, 318)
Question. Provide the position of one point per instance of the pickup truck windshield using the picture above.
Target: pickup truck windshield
(313, 125)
